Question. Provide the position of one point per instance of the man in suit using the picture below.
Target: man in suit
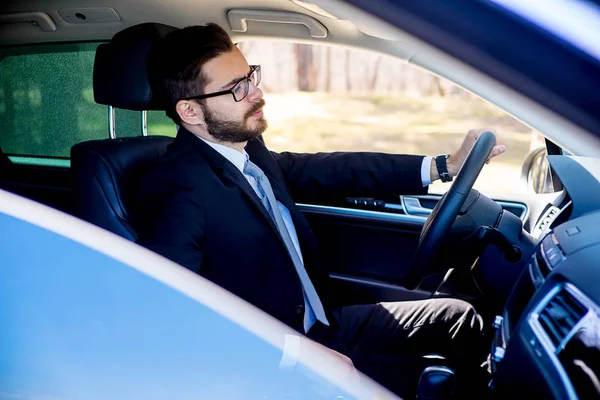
(221, 204)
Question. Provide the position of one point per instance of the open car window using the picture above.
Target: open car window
(322, 99)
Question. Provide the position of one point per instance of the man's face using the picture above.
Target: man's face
(226, 119)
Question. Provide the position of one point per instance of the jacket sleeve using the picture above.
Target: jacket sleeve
(171, 219)
(331, 177)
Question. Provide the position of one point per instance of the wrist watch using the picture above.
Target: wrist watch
(442, 167)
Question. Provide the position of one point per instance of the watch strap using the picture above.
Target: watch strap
(442, 167)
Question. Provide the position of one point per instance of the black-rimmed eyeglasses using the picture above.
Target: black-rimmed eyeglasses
(240, 90)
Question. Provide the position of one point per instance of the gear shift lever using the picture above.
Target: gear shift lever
(436, 383)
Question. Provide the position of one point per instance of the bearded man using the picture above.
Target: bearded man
(221, 204)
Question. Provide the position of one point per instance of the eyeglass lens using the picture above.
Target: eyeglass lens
(240, 91)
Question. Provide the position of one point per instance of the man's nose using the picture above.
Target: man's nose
(254, 93)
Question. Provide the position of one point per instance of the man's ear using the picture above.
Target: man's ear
(190, 112)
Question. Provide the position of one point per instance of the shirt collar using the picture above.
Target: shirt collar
(233, 156)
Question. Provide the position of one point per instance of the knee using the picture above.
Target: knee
(460, 311)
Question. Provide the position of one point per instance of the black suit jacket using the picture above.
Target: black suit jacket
(196, 208)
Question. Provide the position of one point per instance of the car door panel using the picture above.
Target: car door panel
(367, 251)
(48, 185)
(363, 242)
(350, 289)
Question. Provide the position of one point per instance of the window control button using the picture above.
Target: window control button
(573, 231)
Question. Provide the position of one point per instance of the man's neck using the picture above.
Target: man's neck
(203, 133)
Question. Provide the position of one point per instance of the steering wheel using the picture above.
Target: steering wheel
(446, 210)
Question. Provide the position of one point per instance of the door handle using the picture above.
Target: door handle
(412, 206)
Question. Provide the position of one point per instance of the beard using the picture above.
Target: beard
(235, 131)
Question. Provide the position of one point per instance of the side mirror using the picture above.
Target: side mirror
(535, 171)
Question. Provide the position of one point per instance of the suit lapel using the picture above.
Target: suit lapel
(226, 171)
(234, 175)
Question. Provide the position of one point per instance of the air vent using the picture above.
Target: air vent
(559, 317)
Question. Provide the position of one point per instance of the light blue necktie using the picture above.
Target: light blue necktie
(268, 199)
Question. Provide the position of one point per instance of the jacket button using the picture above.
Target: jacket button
(299, 309)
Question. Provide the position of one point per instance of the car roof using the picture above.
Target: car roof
(345, 29)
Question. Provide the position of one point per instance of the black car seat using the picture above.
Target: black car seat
(106, 172)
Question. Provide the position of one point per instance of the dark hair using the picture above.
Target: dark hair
(175, 63)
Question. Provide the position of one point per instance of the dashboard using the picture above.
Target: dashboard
(547, 341)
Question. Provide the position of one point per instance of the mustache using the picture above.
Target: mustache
(260, 104)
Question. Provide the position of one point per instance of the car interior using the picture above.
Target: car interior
(527, 262)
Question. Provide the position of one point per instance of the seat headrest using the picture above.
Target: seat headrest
(120, 76)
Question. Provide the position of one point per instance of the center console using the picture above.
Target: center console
(547, 342)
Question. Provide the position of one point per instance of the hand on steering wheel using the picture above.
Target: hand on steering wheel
(443, 215)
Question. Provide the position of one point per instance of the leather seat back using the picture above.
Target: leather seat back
(106, 171)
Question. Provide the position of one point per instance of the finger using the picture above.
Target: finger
(496, 151)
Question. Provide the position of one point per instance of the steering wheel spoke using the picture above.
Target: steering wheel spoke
(445, 212)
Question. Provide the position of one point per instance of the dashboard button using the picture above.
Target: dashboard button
(573, 231)
(551, 252)
(498, 354)
(536, 346)
(498, 322)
